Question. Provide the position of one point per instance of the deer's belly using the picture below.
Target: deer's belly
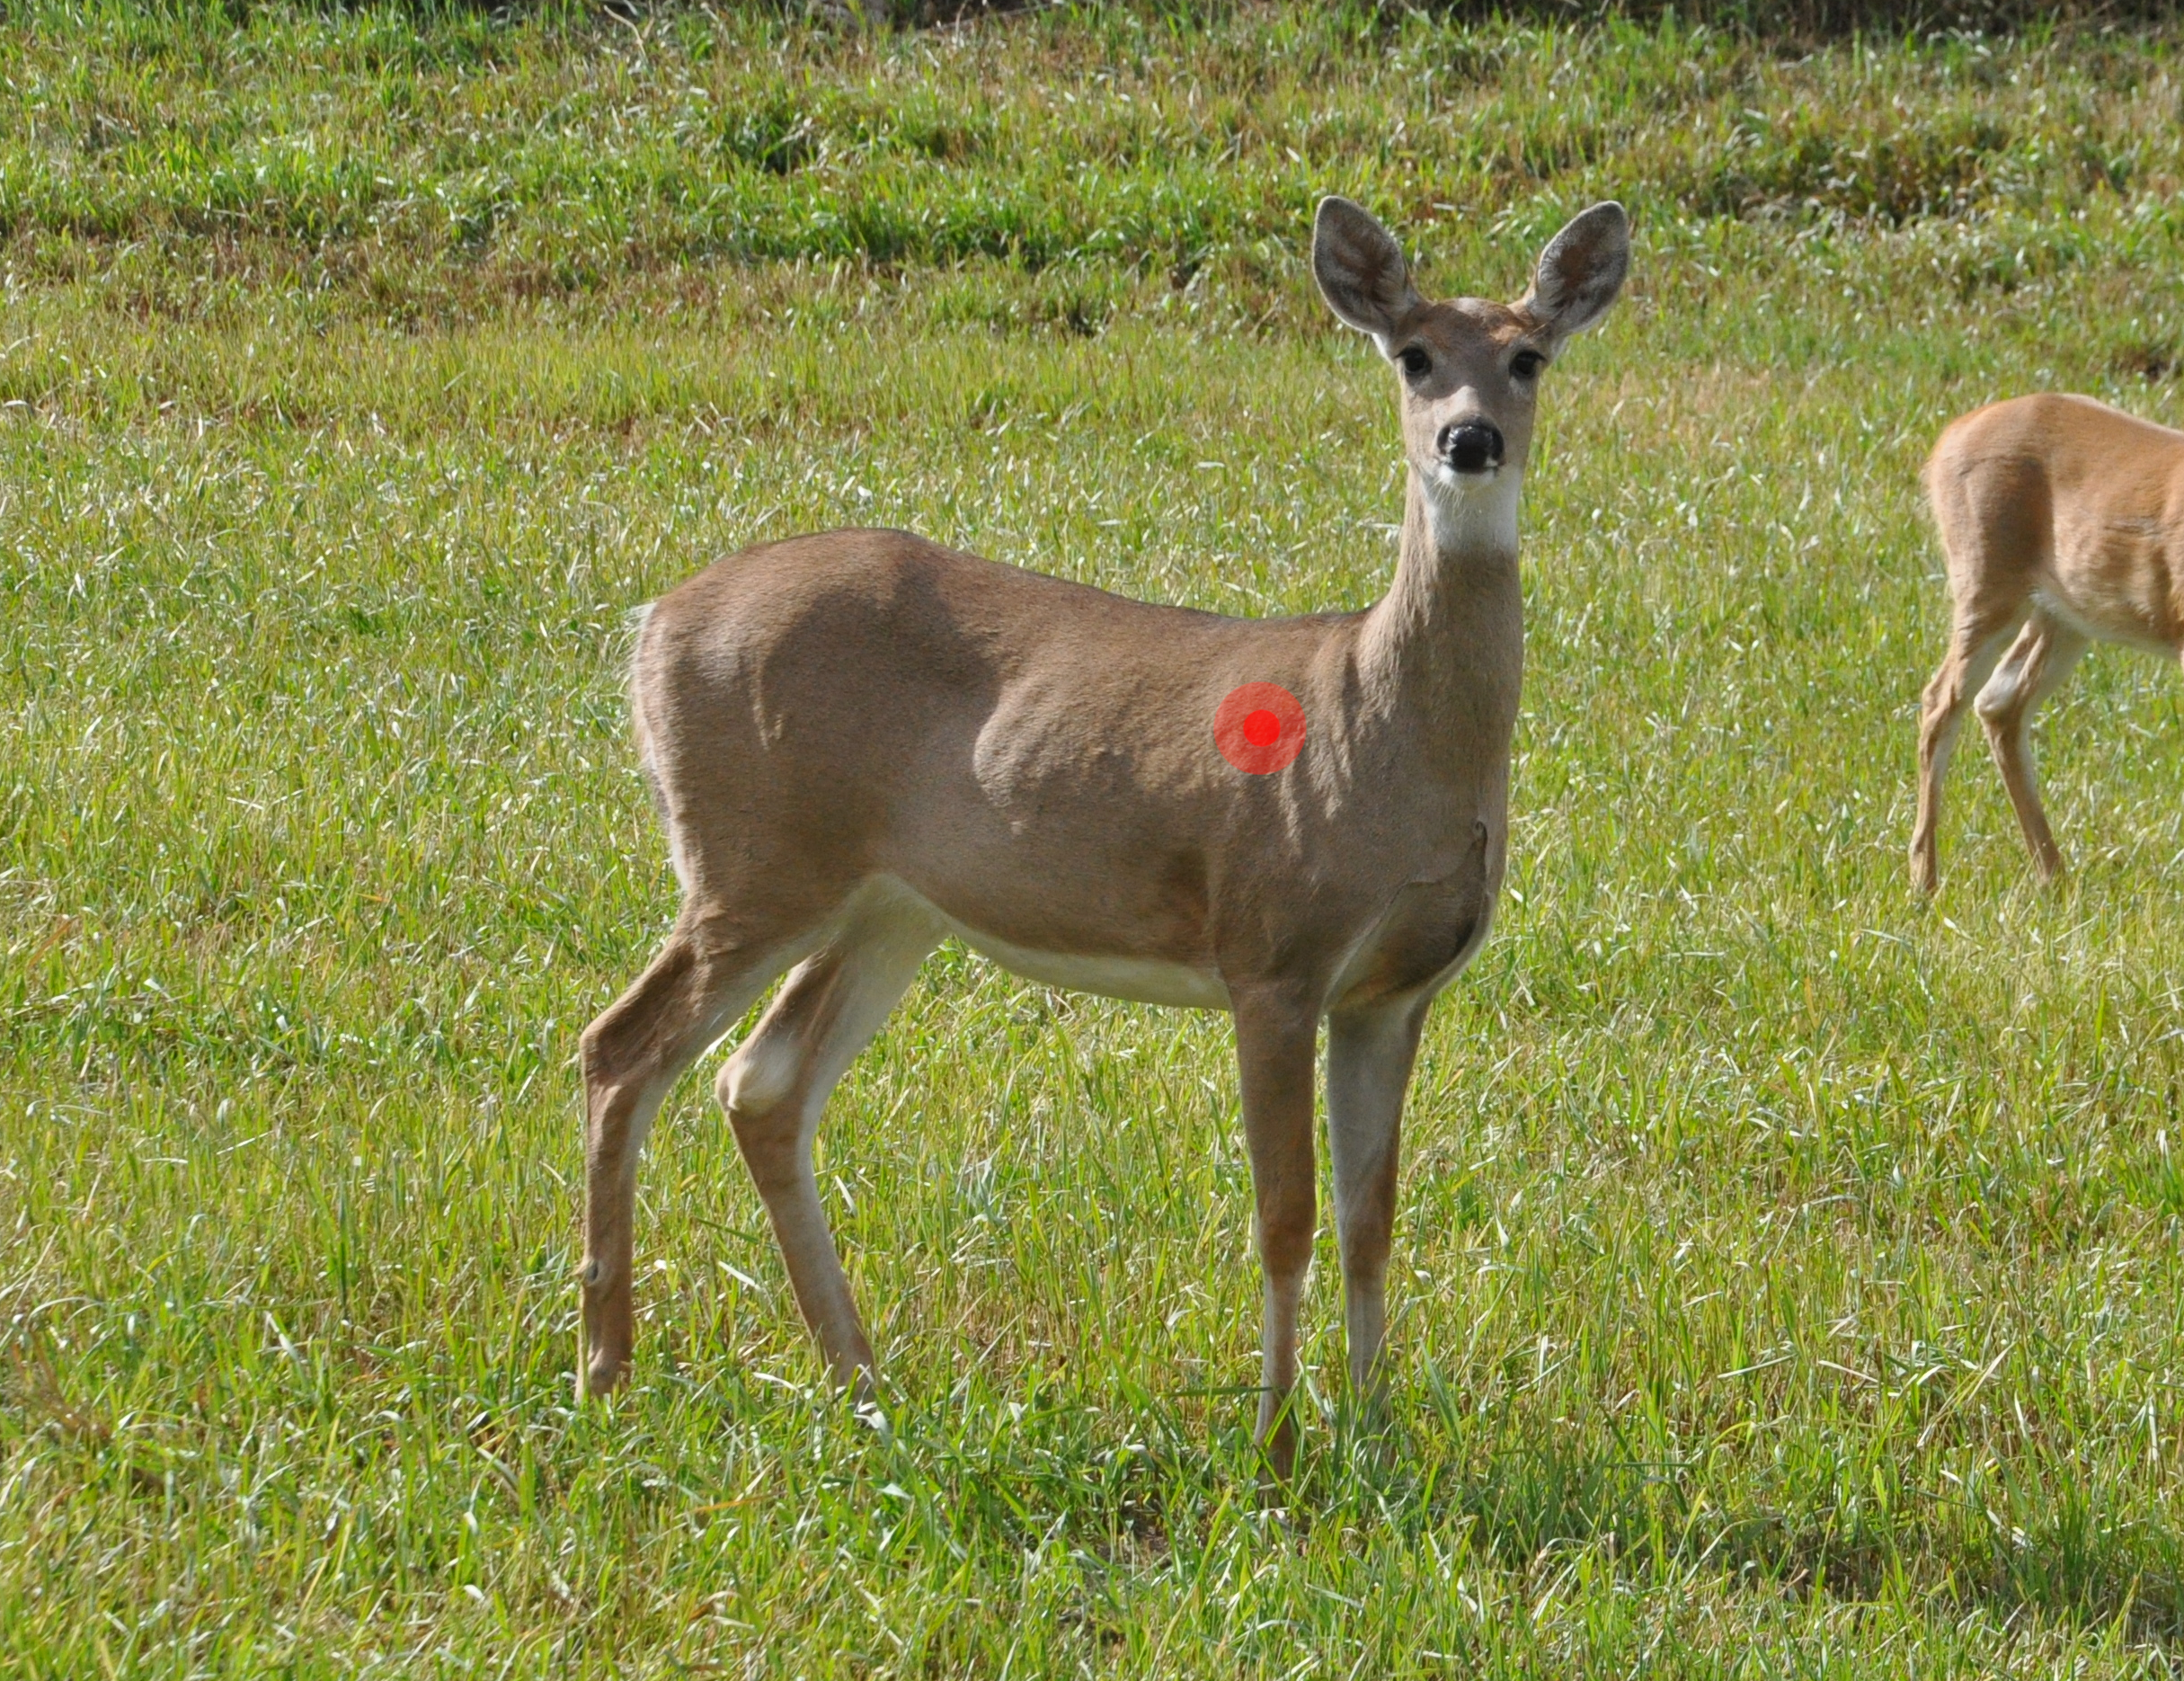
(2120, 621)
(1141, 980)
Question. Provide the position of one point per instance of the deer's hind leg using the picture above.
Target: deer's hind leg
(1976, 641)
(709, 972)
(1995, 520)
(774, 1088)
(2037, 664)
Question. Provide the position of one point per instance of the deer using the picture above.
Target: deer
(2062, 524)
(862, 742)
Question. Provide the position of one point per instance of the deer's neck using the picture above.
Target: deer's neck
(1449, 634)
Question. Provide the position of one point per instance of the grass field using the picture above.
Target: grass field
(1789, 1272)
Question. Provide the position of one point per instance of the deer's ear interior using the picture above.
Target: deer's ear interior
(1360, 269)
(1580, 271)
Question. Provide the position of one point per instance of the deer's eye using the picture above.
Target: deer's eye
(1416, 362)
(1525, 365)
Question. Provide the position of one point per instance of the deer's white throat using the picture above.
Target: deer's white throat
(1469, 512)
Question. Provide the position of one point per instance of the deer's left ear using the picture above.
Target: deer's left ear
(1360, 269)
(1580, 271)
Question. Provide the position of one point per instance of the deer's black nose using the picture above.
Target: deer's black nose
(1471, 446)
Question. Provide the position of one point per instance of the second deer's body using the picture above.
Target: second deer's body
(2062, 524)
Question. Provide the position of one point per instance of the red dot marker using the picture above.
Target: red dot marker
(1259, 728)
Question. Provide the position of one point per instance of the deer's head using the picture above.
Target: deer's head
(1469, 368)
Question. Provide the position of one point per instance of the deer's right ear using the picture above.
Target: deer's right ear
(1580, 271)
(1360, 269)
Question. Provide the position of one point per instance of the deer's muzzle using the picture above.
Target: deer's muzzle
(1472, 446)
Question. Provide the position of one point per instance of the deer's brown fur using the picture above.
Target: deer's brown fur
(863, 742)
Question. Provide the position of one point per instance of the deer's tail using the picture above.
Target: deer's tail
(637, 620)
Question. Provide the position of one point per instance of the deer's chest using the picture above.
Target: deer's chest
(1427, 933)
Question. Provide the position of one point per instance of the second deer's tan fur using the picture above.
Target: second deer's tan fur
(2062, 524)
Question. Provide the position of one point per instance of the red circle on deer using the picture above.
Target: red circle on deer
(1259, 728)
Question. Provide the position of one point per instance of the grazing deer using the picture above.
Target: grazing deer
(863, 743)
(2062, 523)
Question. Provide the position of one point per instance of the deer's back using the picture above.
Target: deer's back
(882, 637)
(1033, 756)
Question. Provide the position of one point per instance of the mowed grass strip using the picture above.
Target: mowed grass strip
(1789, 1276)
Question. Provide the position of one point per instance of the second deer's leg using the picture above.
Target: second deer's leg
(1369, 1055)
(1975, 643)
(774, 1088)
(703, 977)
(2036, 666)
(1274, 1042)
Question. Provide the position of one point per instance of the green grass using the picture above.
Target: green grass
(1789, 1276)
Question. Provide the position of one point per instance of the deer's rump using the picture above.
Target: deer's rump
(2073, 503)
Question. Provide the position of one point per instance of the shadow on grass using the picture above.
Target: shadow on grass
(2071, 1561)
(1137, 1477)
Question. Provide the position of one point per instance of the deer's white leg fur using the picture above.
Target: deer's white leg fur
(775, 1089)
(2036, 666)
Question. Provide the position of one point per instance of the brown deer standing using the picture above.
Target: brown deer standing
(863, 743)
(2062, 524)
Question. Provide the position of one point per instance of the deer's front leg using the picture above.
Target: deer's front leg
(1275, 1038)
(1370, 1053)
